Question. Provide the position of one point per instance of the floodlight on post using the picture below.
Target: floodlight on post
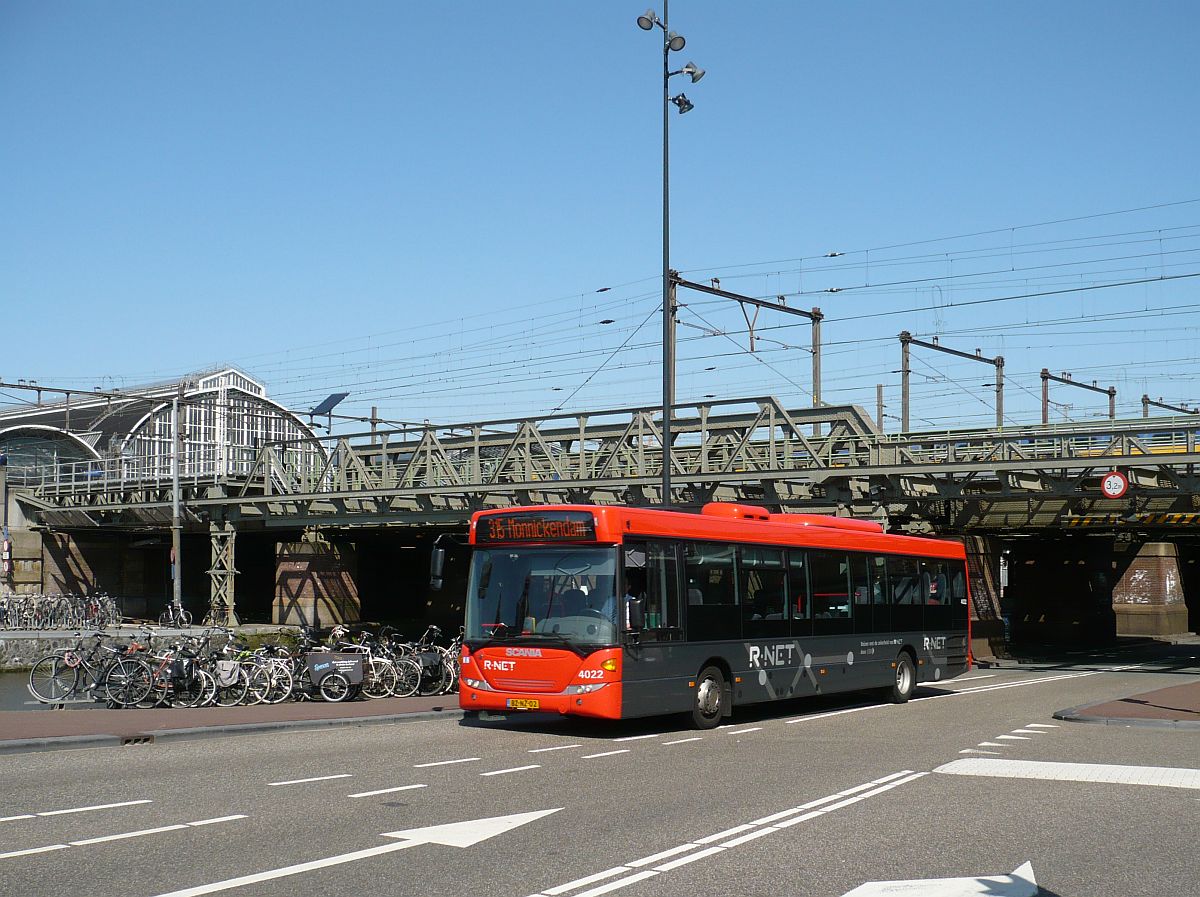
(672, 42)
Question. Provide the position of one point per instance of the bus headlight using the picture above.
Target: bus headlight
(584, 689)
(477, 684)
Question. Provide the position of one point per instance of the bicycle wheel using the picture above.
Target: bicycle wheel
(282, 682)
(380, 679)
(232, 690)
(196, 691)
(408, 676)
(52, 680)
(260, 683)
(334, 687)
(127, 682)
(434, 676)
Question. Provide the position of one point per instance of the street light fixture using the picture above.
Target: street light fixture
(672, 42)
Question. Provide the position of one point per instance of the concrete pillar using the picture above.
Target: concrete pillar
(1148, 599)
(315, 583)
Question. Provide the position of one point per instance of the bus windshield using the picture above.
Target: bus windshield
(565, 596)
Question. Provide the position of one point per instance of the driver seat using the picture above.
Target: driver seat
(572, 602)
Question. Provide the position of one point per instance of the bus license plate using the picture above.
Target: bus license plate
(523, 703)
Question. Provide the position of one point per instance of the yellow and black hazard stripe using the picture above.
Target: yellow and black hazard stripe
(1154, 518)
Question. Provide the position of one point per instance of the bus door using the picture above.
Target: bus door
(654, 678)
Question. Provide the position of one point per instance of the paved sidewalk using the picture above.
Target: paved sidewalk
(1175, 707)
(36, 730)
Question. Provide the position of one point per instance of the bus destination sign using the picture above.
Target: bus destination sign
(555, 526)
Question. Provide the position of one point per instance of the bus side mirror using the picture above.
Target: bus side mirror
(437, 560)
(635, 615)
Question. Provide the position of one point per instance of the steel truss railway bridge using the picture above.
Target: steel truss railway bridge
(832, 459)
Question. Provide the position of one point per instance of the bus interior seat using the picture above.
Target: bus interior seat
(695, 596)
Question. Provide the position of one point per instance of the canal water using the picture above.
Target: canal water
(14, 694)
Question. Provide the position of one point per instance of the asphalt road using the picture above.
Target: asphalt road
(974, 778)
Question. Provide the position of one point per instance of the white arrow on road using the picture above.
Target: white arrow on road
(455, 834)
(464, 834)
(1020, 884)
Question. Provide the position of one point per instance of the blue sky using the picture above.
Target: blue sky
(417, 202)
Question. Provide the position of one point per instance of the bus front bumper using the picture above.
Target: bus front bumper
(604, 703)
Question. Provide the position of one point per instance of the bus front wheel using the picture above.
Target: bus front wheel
(906, 680)
(709, 705)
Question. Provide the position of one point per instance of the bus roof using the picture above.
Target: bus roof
(728, 522)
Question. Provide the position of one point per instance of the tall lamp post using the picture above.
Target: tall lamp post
(672, 42)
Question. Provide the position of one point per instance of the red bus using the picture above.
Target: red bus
(618, 612)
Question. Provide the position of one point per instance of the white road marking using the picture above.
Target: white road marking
(218, 819)
(21, 853)
(586, 880)
(688, 852)
(990, 744)
(655, 857)
(1039, 726)
(461, 834)
(720, 836)
(1027, 732)
(469, 831)
(612, 886)
(604, 754)
(385, 790)
(124, 835)
(84, 842)
(444, 762)
(255, 878)
(1012, 738)
(977, 751)
(745, 731)
(500, 772)
(815, 716)
(684, 740)
(683, 861)
(124, 803)
(22, 816)
(557, 747)
(1163, 776)
(1020, 884)
(639, 737)
(340, 775)
(762, 832)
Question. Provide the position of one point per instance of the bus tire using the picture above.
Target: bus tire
(709, 704)
(906, 680)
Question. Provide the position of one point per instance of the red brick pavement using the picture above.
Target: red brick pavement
(1177, 703)
(21, 725)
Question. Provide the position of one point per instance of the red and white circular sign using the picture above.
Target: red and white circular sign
(1114, 484)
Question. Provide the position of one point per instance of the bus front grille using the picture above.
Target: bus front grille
(526, 684)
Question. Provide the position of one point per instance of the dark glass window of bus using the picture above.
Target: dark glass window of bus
(762, 584)
(711, 588)
(652, 574)
(935, 582)
(908, 594)
(829, 575)
(872, 604)
(798, 593)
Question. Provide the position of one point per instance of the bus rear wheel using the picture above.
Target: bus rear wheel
(709, 705)
(906, 680)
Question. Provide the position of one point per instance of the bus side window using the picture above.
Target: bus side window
(710, 570)
(659, 581)
(829, 573)
(904, 575)
(798, 593)
(761, 582)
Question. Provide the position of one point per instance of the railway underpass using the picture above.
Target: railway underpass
(319, 529)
